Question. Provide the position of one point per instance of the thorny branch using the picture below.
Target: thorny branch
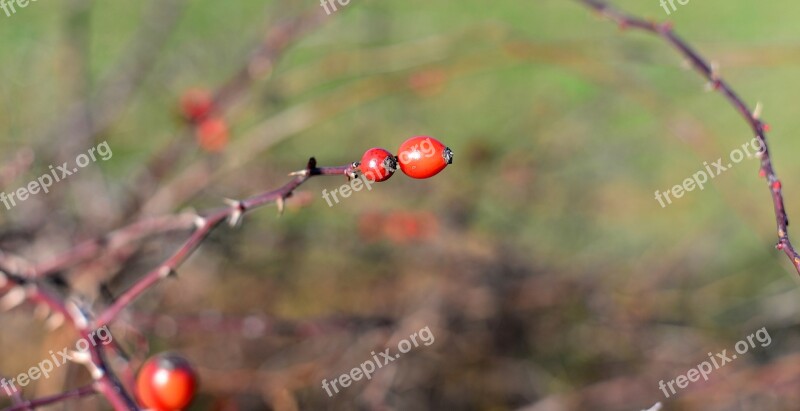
(29, 289)
(716, 82)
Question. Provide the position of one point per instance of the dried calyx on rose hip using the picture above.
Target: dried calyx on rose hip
(377, 164)
(423, 157)
(166, 382)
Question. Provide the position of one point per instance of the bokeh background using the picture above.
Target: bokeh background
(549, 275)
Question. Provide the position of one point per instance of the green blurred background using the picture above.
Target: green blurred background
(540, 259)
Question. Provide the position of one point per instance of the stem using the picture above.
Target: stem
(665, 31)
(210, 221)
(41, 402)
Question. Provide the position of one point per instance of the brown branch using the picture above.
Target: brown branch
(207, 222)
(709, 72)
(133, 233)
(259, 64)
(41, 402)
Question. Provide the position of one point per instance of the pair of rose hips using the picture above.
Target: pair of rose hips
(166, 382)
(197, 107)
(420, 157)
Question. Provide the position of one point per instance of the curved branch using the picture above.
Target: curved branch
(752, 117)
(208, 222)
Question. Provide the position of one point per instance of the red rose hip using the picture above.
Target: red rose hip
(423, 157)
(196, 104)
(212, 135)
(166, 382)
(377, 164)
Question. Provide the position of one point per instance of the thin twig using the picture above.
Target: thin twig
(53, 399)
(207, 222)
(710, 73)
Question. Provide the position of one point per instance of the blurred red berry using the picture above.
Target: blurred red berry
(166, 382)
(378, 164)
(212, 134)
(196, 104)
(423, 157)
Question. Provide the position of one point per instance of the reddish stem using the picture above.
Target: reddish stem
(206, 224)
(53, 399)
(665, 31)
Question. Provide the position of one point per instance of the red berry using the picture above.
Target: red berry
(166, 383)
(212, 134)
(196, 104)
(423, 157)
(378, 164)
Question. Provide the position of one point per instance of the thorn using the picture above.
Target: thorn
(714, 72)
(81, 357)
(776, 185)
(757, 111)
(779, 246)
(302, 173)
(54, 321)
(12, 299)
(77, 314)
(199, 222)
(312, 163)
(95, 371)
(762, 173)
(166, 271)
(281, 205)
(236, 216)
(766, 127)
